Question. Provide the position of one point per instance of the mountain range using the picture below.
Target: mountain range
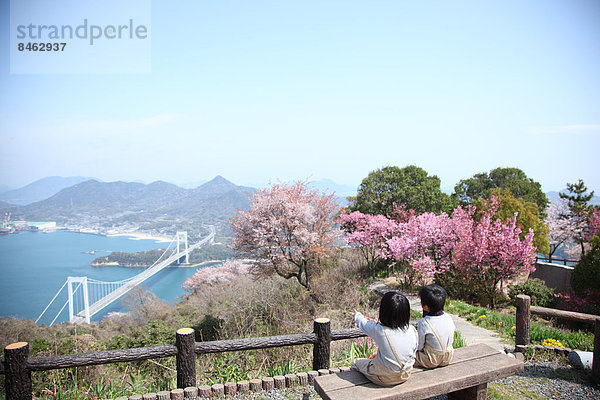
(40, 189)
(159, 206)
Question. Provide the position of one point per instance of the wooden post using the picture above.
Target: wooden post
(218, 389)
(204, 392)
(279, 381)
(230, 388)
(18, 376)
(177, 394)
(163, 395)
(522, 332)
(268, 383)
(291, 380)
(311, 377)
(302, 378)
(190, 393)
(596, 360)
(255, 385)
(243, 387)
(186, 358)
(321, 349)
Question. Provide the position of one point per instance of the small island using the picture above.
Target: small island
(145, 259)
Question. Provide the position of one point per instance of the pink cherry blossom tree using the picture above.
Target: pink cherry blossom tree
(490, 251)
(593, 226)
(287, 230)
(368, 233)
(425, 242)
(210, 276)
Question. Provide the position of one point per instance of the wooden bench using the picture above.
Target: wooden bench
(466, 377)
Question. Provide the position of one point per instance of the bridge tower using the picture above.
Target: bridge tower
(82, 280)
(183, 237)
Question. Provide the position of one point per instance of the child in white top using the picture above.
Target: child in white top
(435, 329)
(396, 341)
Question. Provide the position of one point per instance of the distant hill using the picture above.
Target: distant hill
(5, 206)
(332, 187)
(218, 186)
(158, 205)
(192, 185)
(40, 189)
(5, 188)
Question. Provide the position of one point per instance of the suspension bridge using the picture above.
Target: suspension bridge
(87, 296)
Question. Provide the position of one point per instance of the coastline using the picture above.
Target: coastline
(142, 236)
(130, 235)
(116, 264)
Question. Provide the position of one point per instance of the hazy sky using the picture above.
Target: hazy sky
(264, 90)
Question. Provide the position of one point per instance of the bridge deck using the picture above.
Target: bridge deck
(138, 279)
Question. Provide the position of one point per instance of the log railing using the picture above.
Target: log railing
(523, 325)
(17, 366)
(554, 260)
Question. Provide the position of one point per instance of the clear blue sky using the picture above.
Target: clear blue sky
(265, 90)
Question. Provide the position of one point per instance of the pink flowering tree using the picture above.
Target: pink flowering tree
(368, 233)
(287, 230)
(490, 251)
(425, 242)
(210, 276)
(402, 214)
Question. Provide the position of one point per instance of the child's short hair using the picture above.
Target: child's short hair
(394, 310)
(434, 297)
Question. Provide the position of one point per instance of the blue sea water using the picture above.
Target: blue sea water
(34, 266)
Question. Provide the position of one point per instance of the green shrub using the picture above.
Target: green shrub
(459, 286)
(586, 274)
(541, 295)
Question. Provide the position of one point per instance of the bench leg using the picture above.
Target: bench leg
(478, 392)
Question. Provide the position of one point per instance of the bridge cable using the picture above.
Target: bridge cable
(51, 301)
(63, 307)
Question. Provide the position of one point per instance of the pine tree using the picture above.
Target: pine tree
(579, 209)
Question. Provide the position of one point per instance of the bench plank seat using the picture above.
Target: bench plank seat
(471, 367)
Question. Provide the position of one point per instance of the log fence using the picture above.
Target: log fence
(554, 260)
(523, 327)
(18, 367)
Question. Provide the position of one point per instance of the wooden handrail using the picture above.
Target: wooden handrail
(20, 383)
(100, 357)
(523, 333)
(566, 315)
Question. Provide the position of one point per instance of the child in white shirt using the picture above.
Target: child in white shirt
(435, 329)
(396, 341)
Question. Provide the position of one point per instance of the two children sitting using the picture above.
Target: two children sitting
(400, 345)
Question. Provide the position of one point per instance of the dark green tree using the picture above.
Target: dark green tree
(578, 198)
(411, 186)
(513, 179)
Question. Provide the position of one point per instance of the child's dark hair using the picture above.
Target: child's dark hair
(434, 297)
(394, 310)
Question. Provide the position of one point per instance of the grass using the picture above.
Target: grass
(498, 391)
(503, 322)
(459, 341)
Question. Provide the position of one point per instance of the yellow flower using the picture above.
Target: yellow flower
(513, 327)
(482, 316)
(451, 306)
(552, 343)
